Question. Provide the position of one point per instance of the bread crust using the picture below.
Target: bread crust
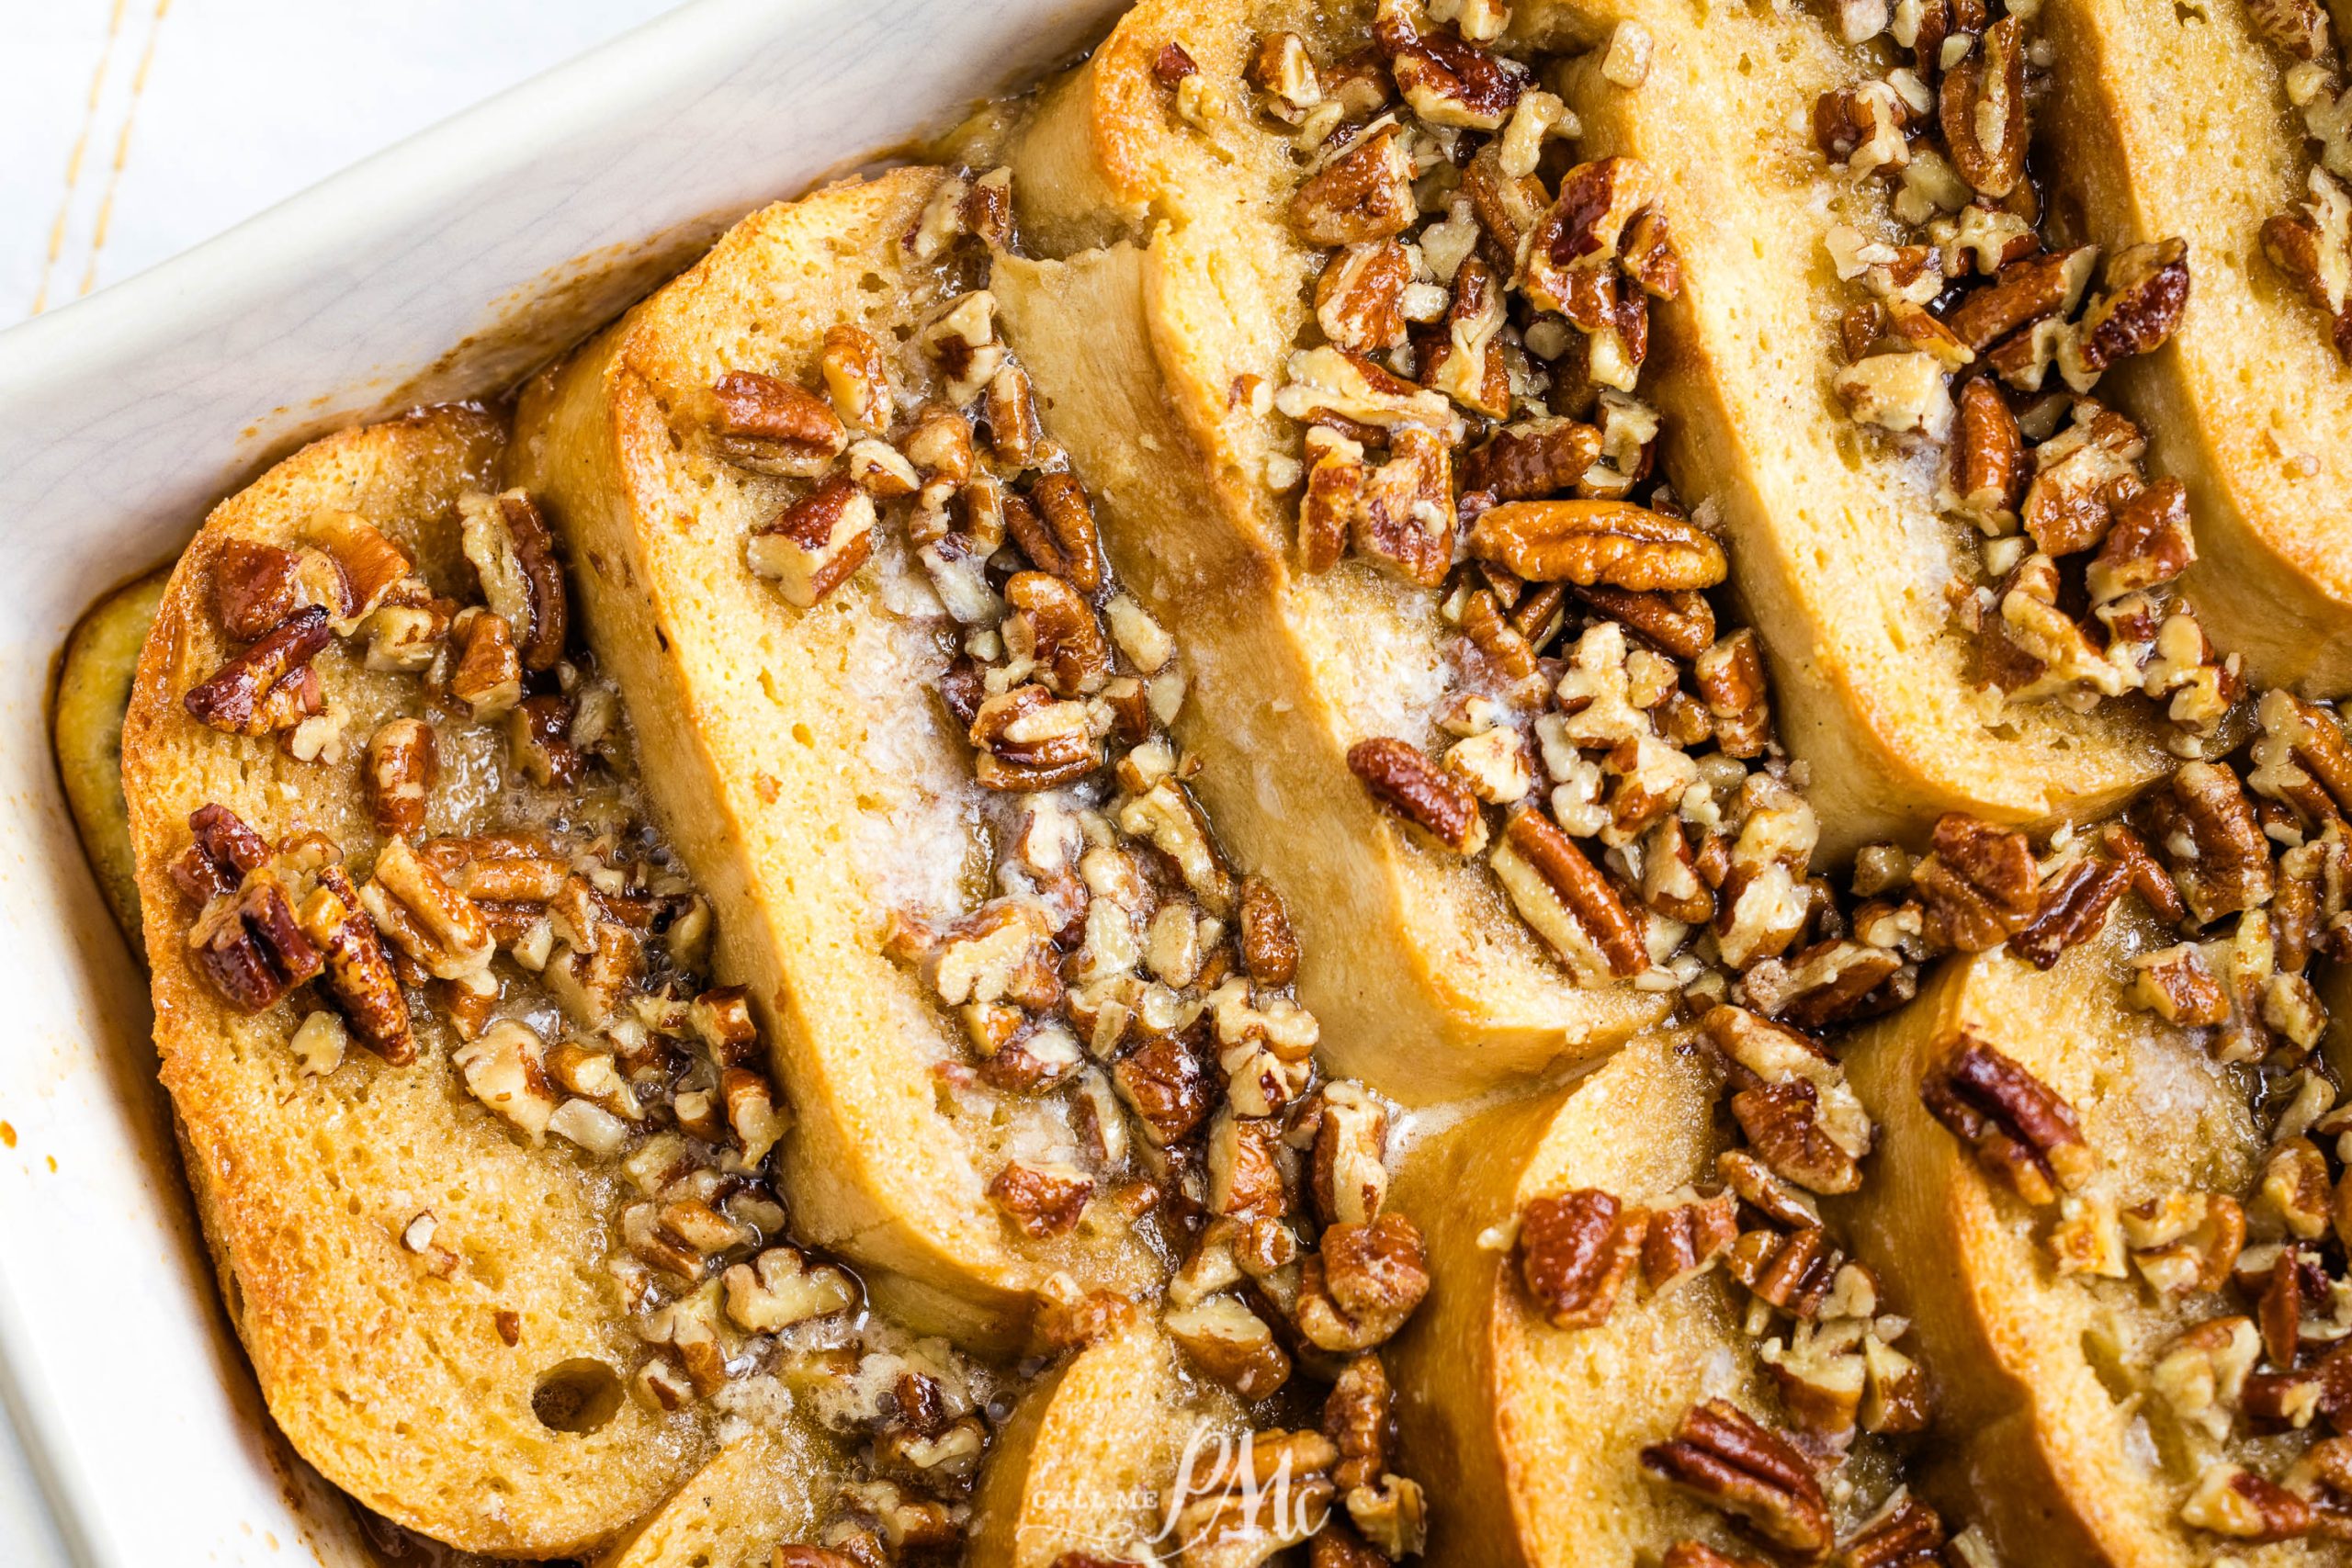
(1144, 349)
(2175, 123)
(2039, 1438)
(395, 1385)
(94, 682)
(803, 763)
(1527, 1437)
(1837, 552)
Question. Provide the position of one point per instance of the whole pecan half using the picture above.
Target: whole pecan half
(1364, 194)
(1576, 1251)
(1983, 110)
(1420, 791)
(1979, 887)
(2022, 1131)
(1725, 1458)
(1057, 531)
(1567, 900)
(2144, 294)
(359, 972)
(270, 685)
(2073, 910)
(1365, 1280)
(770, 426)
(1608, 543)
(2227, 865)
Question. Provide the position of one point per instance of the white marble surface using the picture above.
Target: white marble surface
(136, 128)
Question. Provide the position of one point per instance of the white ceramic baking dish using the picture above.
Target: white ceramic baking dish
(442, 268)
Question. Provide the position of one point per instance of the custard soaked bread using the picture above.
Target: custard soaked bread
(769, 1487)
(2110, 1179)
(1629, 1310)
(314, 749)
(2187, 123)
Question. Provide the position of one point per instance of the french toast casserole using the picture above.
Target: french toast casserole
(1530, 784)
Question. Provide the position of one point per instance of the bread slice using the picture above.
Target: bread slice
(808, 777)
(1175, 299)
(93, 680)
(2175, 122)
(410, 1375)
(1836, 548)
(770, 1487)
(1089, 1460)
(2045, 1381)
(1528, 1437)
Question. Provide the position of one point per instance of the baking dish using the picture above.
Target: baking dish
(442, 268)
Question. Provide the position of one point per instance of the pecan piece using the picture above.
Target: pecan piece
(250, 946)
(1783, 1122)
(1979, 886)
(1054, 626)
(1360, 298)
(1165, 1085)
(1685, 1239)
(2073, 910)
(1681, 622)
(2020, 1129)
(1730, 677)
(2207, 828)
(437, 926)
(514, 554)
(1530, 460)
(1983, 110)
(1056, 529)
(1359, 1288)
(2148, 545)
(359, 974)
(1577, 1249)
(225, 848)
(815, 545)
(1269, 949)
(1364, 194)
(255, 586)
(1794, 1271)
(270, 685)
(1565, 899)
(1446, 78)
(402, 761)
(2298, 28)
(1419, 792)
(2023, 292)
(488, 674)
(1230, 1344)
(770, 426)
(1724, 1457)
(1041, 1200)
(1607, 543)
(2145, 293)
(2232, 1501)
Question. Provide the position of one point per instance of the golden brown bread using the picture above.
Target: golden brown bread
(770, 1487)
(1836, 548)
(2052, 1426)
(399, 1385)
(2175, 122)
(807, 776)
(1176, 298)
(1088, 1459)
(94, 681)
(1528, 1437)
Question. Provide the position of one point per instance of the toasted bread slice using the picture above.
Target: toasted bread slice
(2044, 1379)
(1528, 1438)
(94, 681)
(809, 777)
(418, 1392)
(1178, 291)
(1087, 1462)
(2175, 123)
(768, 1488)
(1836, 546)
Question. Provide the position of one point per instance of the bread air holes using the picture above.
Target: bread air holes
(577, 1396)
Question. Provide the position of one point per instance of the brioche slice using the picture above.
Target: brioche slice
(2075, 1414)
(809, 774)
(1154, 341)
(416, 1286)
(769, 1488)
(1836, 546)
(2175, 122)
(1530, 1437)
(1091, 1459)
(94, 681)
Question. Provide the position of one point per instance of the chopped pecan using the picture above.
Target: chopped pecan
(1721, 1455)
(1756, 1186)
(1054, 626)
(2020, 1129)
(539, 738)
(255, 586)
(2307, 254)
(1230, 1344)
(2149, 544)
(1980, 886)
(1168, 1088)
(1281, 68)
(1783, 1123)
(2185, 1242)
(1465, 357)
(507, 540)
(1565, 899)
(1983, 110)
(1347, 1175)
(857, 378)
(1364, 194)
(1420, 791)
(1404, 517)
(1792, 1271)
(2232, 1501)
(1268, 951)
(270, 686)
(2298, 28)
(2206, 828)
(1360, 298)
(1681, 622)
(437, 926)
(1041, 1200)
(402, 761)
(1577, 1249)
(488, 677)
(1684, 1239)
(2301, 757)
(1447, 79)
(1899, 391)
(1359, 1417)
(248, 943)
(815, 545)
(2073, 910)
(1028, 739)
(1988, 457)
(770, 426)
(1730, 677)
(2144, 293)
(223, 849)
(1699, 1554)
(358, 973)
(1908, 1535)
(1363, 1284)
(1532, 459)
(2023, 292)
